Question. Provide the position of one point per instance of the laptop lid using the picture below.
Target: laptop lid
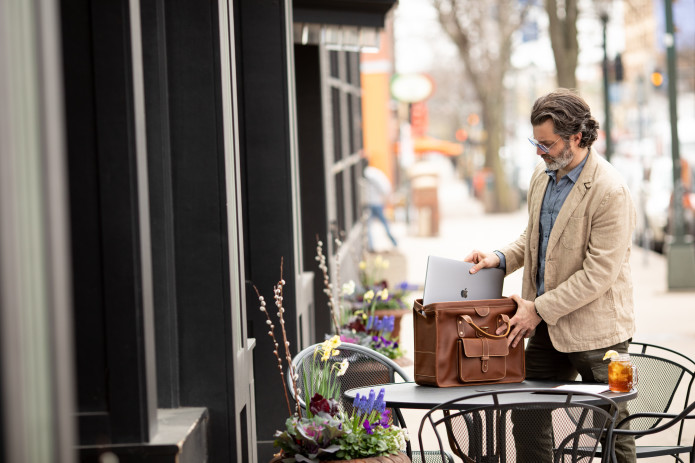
(449, 280)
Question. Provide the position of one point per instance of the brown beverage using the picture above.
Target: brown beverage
(621, 374)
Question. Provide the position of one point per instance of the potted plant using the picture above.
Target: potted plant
(394, 300)
(325, 432)
(367, 328)
(366, 313)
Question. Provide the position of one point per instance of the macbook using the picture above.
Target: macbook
(449, 280)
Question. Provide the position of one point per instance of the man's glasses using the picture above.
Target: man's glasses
(540, 146)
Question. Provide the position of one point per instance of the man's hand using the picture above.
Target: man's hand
(482, 260)
(522, 323)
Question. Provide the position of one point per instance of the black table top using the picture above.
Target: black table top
(411, 395)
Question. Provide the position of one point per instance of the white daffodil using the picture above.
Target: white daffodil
(342, 367)
(348, 288)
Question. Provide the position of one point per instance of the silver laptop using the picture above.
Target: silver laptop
(449, 280)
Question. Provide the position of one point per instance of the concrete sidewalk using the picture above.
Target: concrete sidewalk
(662, 317)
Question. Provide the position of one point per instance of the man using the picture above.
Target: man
(576, 300)
(378, 191)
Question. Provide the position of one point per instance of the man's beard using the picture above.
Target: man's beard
(561, 161)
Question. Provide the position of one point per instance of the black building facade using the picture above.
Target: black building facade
(157, 159)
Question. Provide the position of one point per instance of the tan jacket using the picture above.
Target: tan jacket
(587, 302)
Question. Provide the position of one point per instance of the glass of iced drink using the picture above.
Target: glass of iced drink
(622, 374)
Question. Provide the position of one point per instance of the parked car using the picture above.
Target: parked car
(658, 205)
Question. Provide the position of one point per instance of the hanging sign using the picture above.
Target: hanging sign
(411, 88)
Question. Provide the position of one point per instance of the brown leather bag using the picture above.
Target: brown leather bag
(456, 343)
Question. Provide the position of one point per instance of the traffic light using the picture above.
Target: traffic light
(657, 78)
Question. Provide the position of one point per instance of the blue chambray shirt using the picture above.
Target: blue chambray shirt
(555, 195)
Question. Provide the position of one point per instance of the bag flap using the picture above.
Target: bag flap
(485, 347)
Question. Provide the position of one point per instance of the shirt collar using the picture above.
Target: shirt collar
(573, 174)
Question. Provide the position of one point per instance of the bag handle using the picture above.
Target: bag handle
(418, 308)
(505, 319)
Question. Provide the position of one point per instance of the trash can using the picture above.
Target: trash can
(426, 202)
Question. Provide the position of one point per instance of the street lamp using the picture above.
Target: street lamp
(606, 102)
(681, 254)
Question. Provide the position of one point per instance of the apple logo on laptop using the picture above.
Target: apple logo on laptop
(464, 293)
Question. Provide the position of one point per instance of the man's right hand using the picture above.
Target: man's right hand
(482, 260)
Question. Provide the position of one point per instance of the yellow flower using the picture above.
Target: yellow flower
(326, 355)
(334, 342)
(368, 296)
(328, 348)
(383, 294)
(363, 265)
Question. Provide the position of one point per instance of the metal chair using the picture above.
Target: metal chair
(658, 417)
(664, 376)
(523, 425)
(367, 368)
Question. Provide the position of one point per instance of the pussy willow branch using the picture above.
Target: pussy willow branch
(327, 286)
(338, 306)
(277, 289)
(271, 333)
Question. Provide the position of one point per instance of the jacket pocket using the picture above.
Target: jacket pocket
(574, 235)
(596, 320)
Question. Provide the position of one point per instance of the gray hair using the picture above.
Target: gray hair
(570, 115)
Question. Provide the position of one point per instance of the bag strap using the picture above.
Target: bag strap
(505, 319)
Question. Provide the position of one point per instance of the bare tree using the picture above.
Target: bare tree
(562, 25)
(482, 32)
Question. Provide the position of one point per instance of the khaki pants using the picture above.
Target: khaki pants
(543, 361)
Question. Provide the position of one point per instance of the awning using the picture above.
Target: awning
(423, 145)
(364, 13)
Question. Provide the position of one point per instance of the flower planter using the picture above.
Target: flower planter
(397, 315)
(399, 458)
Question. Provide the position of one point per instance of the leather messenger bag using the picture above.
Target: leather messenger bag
(456, 343)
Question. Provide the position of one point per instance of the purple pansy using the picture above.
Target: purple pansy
(368, 427)
(385, 418)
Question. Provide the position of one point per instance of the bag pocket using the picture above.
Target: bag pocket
(482, 359)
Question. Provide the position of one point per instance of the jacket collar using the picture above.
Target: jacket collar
(581, 186)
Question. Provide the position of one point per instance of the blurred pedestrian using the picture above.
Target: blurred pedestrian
(378, 192)
(577, 300)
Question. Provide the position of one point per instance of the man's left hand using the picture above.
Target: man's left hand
(522, 323)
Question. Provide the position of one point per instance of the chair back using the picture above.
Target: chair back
(665, 383)
(522, 425)
(666, 421)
